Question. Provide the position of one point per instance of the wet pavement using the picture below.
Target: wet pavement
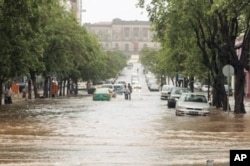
(77, 131)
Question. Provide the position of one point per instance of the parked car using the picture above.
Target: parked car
(197, 85)
(154, 87)
(151, 82)
(205, 87)
(165, 91)
(192, 104)
(102, 94)
(228, 90)
(82, 85)
(175, 94)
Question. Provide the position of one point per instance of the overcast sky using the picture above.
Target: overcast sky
(107, 10)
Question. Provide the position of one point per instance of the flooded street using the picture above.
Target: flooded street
(77, 131)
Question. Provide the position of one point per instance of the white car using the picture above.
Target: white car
(137, 86)
(82, 85)
(192, 104)
(165, 91)
(197, 85)
(154, 87)
(110, 87)
(205, 88)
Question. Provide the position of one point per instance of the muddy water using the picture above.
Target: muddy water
(79, 131)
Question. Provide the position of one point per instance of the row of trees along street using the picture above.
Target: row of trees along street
(198, 38)
(41, 38)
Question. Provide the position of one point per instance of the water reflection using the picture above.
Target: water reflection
(78, 131)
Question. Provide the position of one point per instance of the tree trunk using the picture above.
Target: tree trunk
(46, 87)
(33, 79)
(64, 86)
(69, 86)
(1, 92)
(60, 83)
(239, 91)
(191, 83)
(29, 89)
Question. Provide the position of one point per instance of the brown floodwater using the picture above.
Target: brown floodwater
(77, 131)
(143, 131)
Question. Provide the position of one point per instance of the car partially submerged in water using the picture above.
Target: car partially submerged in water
(166, 89)
(110, 87)
(192, 104)
(102, 94)
(119, 88)
(175, 94)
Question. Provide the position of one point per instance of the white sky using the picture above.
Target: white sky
(107, 10)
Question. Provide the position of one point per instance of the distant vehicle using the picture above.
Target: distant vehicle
(175, 94)
(130, 65)
(165, 91)
(102, 94)
(151, 82)
(119, 88)
(154, 87)
(134, 81)
(192, 104)
(136, 86)
(205, 87)
(197, 85)
(110, 87)
(121, 82)
(228, 90)
(81, 85)
(134, 76)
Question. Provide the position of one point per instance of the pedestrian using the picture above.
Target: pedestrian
(130, 91)
(126, 92)
(24, 92)
(7, 96)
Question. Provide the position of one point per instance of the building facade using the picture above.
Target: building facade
(129, 37)
(75, 6)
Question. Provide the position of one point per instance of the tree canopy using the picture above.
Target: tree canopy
(42, 38)
(202, 34)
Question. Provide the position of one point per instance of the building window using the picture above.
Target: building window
(126, 32)
(145, 32)
(127, 47)
(116, 46)
(136, 32)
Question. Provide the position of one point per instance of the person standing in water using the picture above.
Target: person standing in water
(130, 91)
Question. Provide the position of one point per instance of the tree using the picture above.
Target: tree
(215, 26)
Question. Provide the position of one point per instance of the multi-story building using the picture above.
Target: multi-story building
(126, 36)
(75, 6)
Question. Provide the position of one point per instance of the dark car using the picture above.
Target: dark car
(175, 94)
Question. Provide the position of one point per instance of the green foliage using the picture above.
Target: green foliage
(41, 37)
(148, 58)
(198, 34)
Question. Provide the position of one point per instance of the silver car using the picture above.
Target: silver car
(166, 89)
(192, 104)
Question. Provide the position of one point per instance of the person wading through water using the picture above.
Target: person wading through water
(130, 91)
(126, 92)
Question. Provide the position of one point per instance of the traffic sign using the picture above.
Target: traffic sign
(228, 70)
